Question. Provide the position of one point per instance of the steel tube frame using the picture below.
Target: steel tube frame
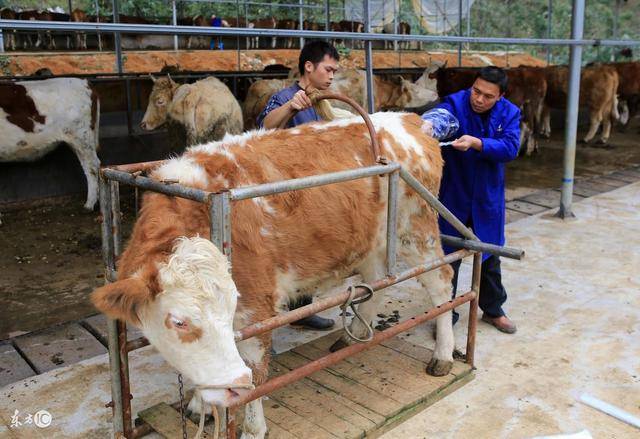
(573, 102)
(199, 30)
(219, 205)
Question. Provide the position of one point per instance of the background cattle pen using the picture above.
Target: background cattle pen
(533, 187)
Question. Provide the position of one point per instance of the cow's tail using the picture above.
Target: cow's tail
(615, 114)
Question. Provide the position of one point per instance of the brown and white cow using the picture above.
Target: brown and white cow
(79, 16)
(9, 35)
(188, 300)
(37, 116)
(598, 92)
(404, 28)
(287, 24)
(39, 16)
(206, 109)
(258, 95)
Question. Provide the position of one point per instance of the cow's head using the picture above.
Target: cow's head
(185, 307)
(159, 102)
(416, 95)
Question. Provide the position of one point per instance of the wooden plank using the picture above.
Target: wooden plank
(631, 172)
(97, 325)
(59, 346)
(166, 420)
(12, 366)
(513, 216)
(524, 207)
(288, 420)
(277, 432)
(356, 413)
(314, 403)
(421, 353)
(372, 401)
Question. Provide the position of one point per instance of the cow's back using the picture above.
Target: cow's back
(296, 238)
(207, 109)
(257, 98)
(38, 116)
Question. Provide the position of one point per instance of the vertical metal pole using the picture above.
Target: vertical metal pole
(473, 308)
(549, 21)
(231, 423)
(99, 37)
(116, 217)
(468, 22)
(2, 40)
(300, 20)
(70, 7)
(108, 258)
(392, 210)
(368, 59)
(174, 16)
(508, 30)
(616, 19)
(327, 16)
(395, 26)
(573, 98)
(459, 32)
(116, 37)
(127, 89)
(220, 226)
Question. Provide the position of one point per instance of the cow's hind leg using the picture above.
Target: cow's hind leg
(90, 163)
(595, 118)
(255, 352)
(417, 249)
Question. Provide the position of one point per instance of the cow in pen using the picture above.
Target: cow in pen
(187, 298)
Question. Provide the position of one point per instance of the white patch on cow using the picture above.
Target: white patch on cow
(228, 141)
(264, 231)
(66, 106)
(358, 160)
(294, 131)
(264, 205)
(196, 286)
(184, 169)
(388, 149)
(336, 123)
(392, 123)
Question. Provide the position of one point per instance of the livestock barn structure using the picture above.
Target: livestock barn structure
(270, 223)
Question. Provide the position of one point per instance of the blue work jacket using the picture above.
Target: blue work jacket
(472, 185)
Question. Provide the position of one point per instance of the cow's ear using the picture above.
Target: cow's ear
(122, 299)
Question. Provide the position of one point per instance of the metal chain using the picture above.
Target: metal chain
(182, 411)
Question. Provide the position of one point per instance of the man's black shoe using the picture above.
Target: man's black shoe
(314, 322)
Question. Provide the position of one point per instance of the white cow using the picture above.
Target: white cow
(36, 116)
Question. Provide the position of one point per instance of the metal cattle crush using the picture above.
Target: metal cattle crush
(219, 206)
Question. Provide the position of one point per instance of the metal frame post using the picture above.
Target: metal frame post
(549, 22)
(473, 309)
(174, 19)
(573, 100)
(327, 15)
(616, 19)
(460, 32)
(368, 59)
(392, 216)
(301, 20)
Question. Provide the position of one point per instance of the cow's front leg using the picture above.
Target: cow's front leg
(255, 425)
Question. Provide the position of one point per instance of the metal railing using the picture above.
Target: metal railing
(219, 206)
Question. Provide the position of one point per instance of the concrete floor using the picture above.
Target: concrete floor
(575, 300)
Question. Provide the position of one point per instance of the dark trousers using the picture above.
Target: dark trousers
(492, 293)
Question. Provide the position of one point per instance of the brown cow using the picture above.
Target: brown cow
(258, 95)
(78, 15)
(40, 16)
(288, 24)
(628, 89)
(9, 35)
(598, 92)
(263, 23)
(404, 28)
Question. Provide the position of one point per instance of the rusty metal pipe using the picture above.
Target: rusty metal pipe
(473, 309)
(335, 357)
(338, 299)
(138, 343)
(124, 378)
(136, 167)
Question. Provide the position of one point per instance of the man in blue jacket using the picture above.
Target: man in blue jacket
(472, 184)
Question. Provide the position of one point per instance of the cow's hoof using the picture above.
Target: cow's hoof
(438, 368)
(339, 344)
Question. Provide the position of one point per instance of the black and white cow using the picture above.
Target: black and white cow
(36, 116)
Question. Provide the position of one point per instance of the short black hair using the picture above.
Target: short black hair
(494, 75)
(315, 52)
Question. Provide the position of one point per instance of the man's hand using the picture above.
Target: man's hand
(300, 101)
(427, 127)
(465, 142)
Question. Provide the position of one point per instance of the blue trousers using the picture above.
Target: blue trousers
(492, 292)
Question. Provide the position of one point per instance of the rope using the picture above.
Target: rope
(351, 304)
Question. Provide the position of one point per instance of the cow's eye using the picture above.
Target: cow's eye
(179, 324)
